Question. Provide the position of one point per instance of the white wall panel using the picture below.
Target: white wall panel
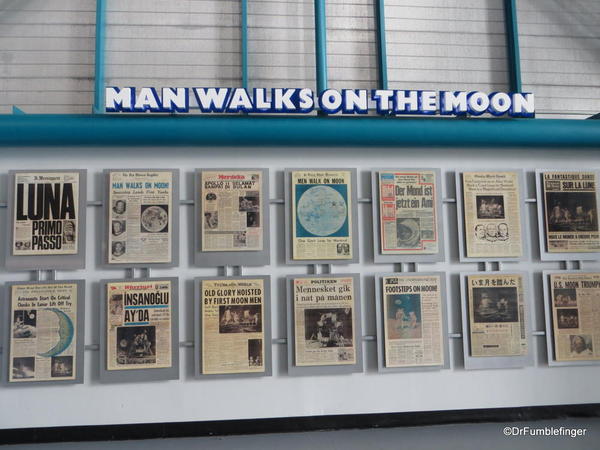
(446, 44)
(281, 45)
(46, 55)
(560, 55)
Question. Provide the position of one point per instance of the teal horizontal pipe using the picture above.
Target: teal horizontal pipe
(124, 130)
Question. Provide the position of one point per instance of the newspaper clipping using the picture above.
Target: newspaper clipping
(324, 321)
(46, 213)
(408, 212)
(576, 316)
(322, 219)
(497, 315)
(232, 326)
(232, 203)
(139, 216)
(571, 212)
(412, 307)
(138, 325)
(492, 213)
(44, 329)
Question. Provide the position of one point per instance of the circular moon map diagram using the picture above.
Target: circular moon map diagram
(321, 210)
(154, 219)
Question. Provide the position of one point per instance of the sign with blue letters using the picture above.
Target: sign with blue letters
(222, 100)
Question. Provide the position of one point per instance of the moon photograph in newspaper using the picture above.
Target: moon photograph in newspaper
(565, 297)
(61, 366)
(24, 324)
(240, 319)
(136, 345)
(495, 304)
(567, 318)
(321, 210)
(572, 211)
(404, 316)
(154, 219)
(331, 327)
(23, 367)
(255, 356)
(490, 206)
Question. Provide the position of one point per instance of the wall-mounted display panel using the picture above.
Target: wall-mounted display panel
(47, 211)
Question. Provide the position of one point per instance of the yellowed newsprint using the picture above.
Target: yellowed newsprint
(324, 319)
(232, 314)
(497, 315)
(408, 212)
(44, 330)
(46, 213)
(576, 316)
(139, 216)
(412, 311)
(231, 213)
(321, 215)
(492, 213)
(138, 326)
(571, 208)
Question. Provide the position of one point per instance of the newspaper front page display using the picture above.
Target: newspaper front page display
(232, 203)
(571, 209)
(324, 321)
(139, 217)
(44, 329)
(576, 316)
(408, 212)
(138, 325)
(496, 315)
(492, 214)
(46, 213)
(232, 314)
(412, 308)
(321, 215)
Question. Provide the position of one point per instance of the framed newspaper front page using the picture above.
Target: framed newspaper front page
(321, 216)
(568, 214)
(572, 310)
(324, 324)
(47, 211)
(139, 329)
(44, 332)
(407, 212)
(496, 320)
(141, 218)
(491, 216)
(412, 325)
(232, 317)
(232, 217)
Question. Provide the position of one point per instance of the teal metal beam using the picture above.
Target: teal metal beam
(512, 44)
(381, 45)
(244, 39)
(98, 107)
(211, 131)
(321, 45)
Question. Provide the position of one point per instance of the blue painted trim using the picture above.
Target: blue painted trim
(17, 110)
(512, 43)
(381, 44)
(99, 100)
(321, 45)
(143, 130)
(244, 39)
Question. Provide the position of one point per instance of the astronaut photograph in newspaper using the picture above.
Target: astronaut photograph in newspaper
(412, 308)
(571, 212)
(139, 213)
(496, 315)
(46, 213)
(321, 215)
(232, 315)
(324, 317)
(492, 214)
(138, 325)
(44, 329)
(408, 212)
(231, 213)
(576, 315)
